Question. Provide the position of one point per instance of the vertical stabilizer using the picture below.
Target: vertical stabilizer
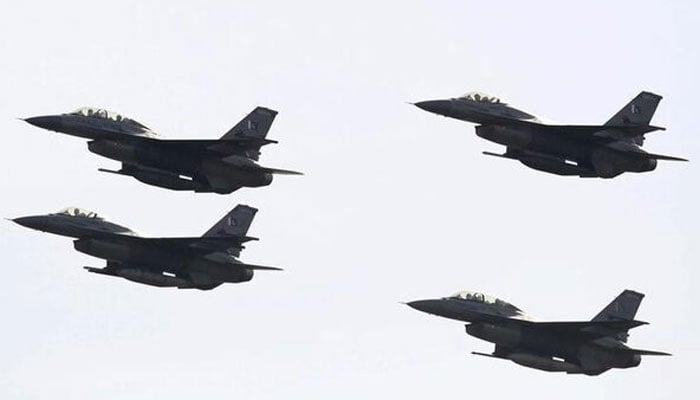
(639, 111)
(251, 132)
(235, 223)
(624, 308)
(254, 126)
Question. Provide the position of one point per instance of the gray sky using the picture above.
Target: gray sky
(397, 204)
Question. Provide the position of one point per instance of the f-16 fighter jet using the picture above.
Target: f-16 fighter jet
(182, 262)
(581, 347)
(604, 151)
(218, 165)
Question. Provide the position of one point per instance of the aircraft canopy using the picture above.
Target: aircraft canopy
(480, 97)
(482, 298)
(107, 114)
(78, 212)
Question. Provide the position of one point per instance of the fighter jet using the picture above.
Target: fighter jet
(182, 262)
(604, 151)
(581, 347)
(219, 165)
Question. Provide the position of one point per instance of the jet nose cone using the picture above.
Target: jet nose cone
(442, 107)
(427, 306)
(30, 222)
(50, 122)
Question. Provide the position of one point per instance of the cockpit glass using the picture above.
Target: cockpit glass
(480, 97)
(483, 298)
(78, 212)
(110, 115)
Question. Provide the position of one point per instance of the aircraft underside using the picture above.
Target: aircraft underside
(154, 278)
(181, 170)
(547, 351)
(559, 154)
(222, 184)
(602, 163)
(545, 363)
(160, 267)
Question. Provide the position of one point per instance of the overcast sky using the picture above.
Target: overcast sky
(397, 204)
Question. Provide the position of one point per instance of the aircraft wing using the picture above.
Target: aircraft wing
(209, 247)
(586, 329)
(239, 147)
(201, 245)
(621, 137)
(602, 133)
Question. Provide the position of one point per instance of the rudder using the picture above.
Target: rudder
(254, 126)
(624, 307)
(639, 111)
(235, 223)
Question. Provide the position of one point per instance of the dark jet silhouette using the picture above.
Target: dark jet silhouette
(183, 262)
(220, 165)
(582, 347)
(604, 151)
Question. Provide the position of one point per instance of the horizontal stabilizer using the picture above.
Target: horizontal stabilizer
(647, 352)
(102, 271)
(111, 171)
(476, 353)
(249, 165)
(257, 267)
(506, 155)
(280, 171)
(662, 157)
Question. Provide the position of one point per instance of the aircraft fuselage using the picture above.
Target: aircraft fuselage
(521, 340)
(190, 164)
(158, 162)
(544, 147)
(533, 342)
(109, 241)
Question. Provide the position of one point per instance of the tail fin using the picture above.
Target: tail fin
(624, 308)
(639, 111)
(235, 223)
(250, 133)
(254, 126)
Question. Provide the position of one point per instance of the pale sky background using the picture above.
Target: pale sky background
(397, 204)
